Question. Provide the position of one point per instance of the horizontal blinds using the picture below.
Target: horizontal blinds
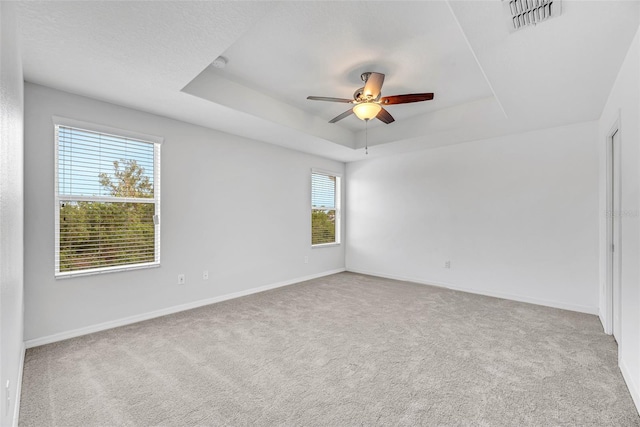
(323, 208)
(97, 164)
(96, 234)
(107, 210)
(323, 191)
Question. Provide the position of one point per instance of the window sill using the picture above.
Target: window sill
(96, 271)
(324, 245)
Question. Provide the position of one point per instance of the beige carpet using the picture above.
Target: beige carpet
(342, 350)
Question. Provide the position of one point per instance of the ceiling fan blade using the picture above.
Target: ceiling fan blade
(405, 99)
(385, 117)
(373, 85)
(342, 116)
(326, 98)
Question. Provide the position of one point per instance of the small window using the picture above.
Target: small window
(325, 208)
(107, 202)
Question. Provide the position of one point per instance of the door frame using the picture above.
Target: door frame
(613, 234)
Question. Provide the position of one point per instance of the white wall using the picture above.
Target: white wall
(517, 216)
(235, 207)
(624, 104)
(11, 214)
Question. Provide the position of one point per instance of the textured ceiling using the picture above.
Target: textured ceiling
(155, 56)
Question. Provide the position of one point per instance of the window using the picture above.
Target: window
(107, 202)
(325, 208)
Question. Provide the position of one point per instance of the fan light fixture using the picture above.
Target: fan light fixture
(366, 110)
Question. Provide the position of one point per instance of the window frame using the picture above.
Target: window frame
(119, 133)
(337, 204)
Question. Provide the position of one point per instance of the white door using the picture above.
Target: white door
(615, 220)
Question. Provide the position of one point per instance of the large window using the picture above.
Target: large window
(325, 208)
(107, 202)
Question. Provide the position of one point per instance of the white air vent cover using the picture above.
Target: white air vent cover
(523, 13)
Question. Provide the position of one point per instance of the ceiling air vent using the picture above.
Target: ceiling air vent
(524, 13)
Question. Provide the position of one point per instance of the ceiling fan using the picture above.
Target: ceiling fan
(368, 101)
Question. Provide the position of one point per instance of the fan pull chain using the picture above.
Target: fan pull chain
(366, 137)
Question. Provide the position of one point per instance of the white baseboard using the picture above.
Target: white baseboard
(603, 323)
(169, 310)
(631, 384)
(513, 297)
(16, 409)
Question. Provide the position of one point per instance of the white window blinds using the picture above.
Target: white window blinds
(325, 208)
(107, 202)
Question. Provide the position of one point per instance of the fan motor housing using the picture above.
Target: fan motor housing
(358, 95)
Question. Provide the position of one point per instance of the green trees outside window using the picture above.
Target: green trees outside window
(323, 226)
(102, 234)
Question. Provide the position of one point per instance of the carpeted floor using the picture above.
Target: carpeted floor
(342, 350)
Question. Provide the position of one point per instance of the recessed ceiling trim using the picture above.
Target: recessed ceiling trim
(475, 58)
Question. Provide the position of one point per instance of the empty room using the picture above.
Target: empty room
(320, 213)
